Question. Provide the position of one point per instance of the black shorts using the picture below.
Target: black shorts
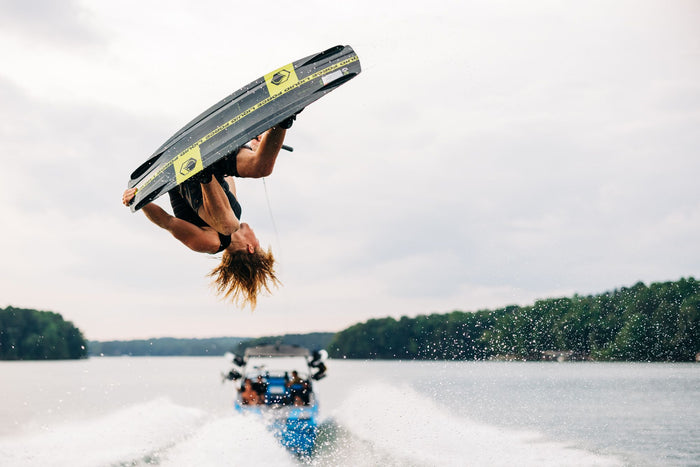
(186, 199)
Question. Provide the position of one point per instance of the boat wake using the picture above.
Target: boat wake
(155, 433)
(134, 433)
(376, 424)
(380, 424)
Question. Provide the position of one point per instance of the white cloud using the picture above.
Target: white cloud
(488, 154)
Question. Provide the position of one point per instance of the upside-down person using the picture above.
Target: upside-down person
(207, 217)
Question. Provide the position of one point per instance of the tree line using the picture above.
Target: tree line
(27, 334)
(659, 322)
(170, 346)
(164, 346)
(38, 335)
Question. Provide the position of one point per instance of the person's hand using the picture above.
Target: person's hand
(128, 196)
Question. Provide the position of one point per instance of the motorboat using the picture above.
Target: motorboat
(275, 381)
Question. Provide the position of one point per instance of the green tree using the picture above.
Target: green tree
(38, 335)
(659, 322)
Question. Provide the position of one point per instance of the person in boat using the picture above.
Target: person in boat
(249, 396)
(295, 380)
(260, 386)
(207, 218)
(299, 401)
(298, 388)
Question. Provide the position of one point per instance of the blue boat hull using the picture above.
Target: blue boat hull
(298, 435)
(296, 429)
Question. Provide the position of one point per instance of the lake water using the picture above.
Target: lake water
(177, 412)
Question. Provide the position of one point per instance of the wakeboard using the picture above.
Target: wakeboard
(238, 118)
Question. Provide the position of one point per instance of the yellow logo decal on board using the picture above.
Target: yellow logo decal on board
(281, 79)
(187, 164)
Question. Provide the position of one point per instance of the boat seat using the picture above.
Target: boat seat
(277, 392)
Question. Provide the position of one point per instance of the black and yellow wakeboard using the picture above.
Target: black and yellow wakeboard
(240, 117)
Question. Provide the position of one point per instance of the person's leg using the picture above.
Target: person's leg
(182, 209)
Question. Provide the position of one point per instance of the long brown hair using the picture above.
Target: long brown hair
(241, 276)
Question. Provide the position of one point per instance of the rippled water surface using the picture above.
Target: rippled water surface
(176, 411)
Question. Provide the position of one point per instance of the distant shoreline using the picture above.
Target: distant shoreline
(200, 347)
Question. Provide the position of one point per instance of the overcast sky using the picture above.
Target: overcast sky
(490, 153)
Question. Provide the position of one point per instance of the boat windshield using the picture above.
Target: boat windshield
(277, 366)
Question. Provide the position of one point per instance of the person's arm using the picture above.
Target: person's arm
(259, 163)
(216, 208)
(193, 237)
